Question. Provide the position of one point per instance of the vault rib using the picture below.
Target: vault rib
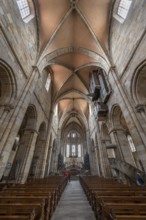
(92, 33)
(55, 32)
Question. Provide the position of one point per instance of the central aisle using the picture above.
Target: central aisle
(73, 204)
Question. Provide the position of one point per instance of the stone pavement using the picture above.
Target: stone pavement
(73, 204)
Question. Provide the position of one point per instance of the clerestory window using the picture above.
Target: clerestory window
(73, 150)
(131, 144)
(121, 9)
(26, 12)
(79, 150)
(67, 150)
(124, 7)
(48, 81)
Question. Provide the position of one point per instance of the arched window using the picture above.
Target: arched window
(124, 7)
(16, 143)
(48, 82)
(56, 110)
(131, 144)
(67, 150)
(26, 12)
(79, 150)
(73, 150)
(73, 135)
(121, 10)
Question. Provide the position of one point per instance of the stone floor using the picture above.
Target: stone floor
(73, 204)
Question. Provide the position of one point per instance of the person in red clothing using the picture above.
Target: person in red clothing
(65, 174)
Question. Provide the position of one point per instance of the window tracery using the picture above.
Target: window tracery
(73, 146)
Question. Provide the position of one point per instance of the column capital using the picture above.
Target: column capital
(31, 130)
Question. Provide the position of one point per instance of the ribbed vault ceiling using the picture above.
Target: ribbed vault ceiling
(80, 25)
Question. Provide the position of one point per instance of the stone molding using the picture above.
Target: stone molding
(140, 108)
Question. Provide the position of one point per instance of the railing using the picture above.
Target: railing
(126, 168)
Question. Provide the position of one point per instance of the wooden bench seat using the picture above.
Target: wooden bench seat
(32, 211)
(15, 217)
(128, 217)
(35, 200)
(114, 200)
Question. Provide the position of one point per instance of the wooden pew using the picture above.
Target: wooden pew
(35, 200)
(112, 200)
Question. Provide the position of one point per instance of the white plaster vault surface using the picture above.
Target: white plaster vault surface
(73, 204)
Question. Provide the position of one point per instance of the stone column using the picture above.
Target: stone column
(41, 155)
(98, 160)
(107, 167)
(5, 114)
(11, 127)
(124, 146)
(48, 162)
(48, 148)
(23, 174)
(58, 150)
(136, 129)
(115, 140)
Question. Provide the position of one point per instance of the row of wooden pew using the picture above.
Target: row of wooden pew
(35, 200)
(111, 200)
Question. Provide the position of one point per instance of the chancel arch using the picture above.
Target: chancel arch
(73, 148)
